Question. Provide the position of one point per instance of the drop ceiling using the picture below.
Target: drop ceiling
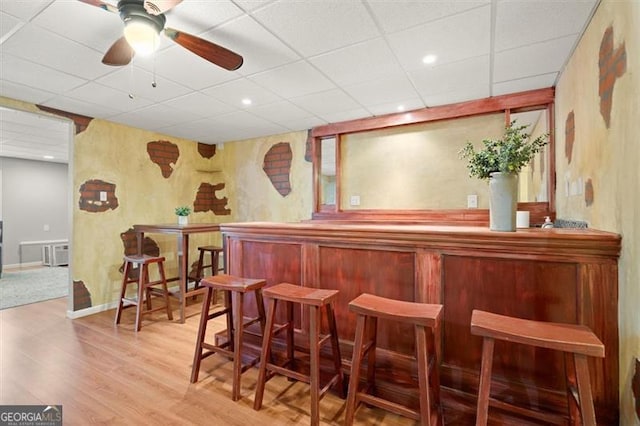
(306, 63)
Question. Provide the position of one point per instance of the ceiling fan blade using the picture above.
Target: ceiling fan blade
(102, 5)
(156, 7)
(212, 52)
(120, 53)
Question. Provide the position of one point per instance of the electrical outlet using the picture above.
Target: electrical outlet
(472, 201)
(103, 195)
(355, 200)
(46, 227)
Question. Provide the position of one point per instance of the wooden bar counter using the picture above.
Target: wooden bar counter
(560, 275)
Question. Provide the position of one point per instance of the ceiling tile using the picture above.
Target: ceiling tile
(233, 92)
(337, 116)
(201, 16)
(312, 28)
(280, 111)
(260, 49)
(398, 15)
(139, 82)
(103, 95)
(532, 60)
(460, 94)
(80, 107)
(250, 5)
(545, 20)
(186, 68)
(523, 84)
(445, 39)
(303, 123)
(24, 93)
(451, 77)
(200, 105)
(31, 74)
(384, 90)
(91, 26)
(23, 10)
(38, 45)
(8, 25)
(156, 116)
(392, 107)
(293, 80)
(369, 60)
(327, 102)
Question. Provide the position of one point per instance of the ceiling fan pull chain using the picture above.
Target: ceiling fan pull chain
(153, 82)
(131, 96)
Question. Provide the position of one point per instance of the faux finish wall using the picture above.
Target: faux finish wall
(598, 176)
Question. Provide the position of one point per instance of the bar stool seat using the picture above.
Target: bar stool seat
(234, 289)
(146, 288)
(576, 341)
(314, 300)
(369, 308)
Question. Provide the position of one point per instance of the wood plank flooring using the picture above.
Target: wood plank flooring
(106, 374)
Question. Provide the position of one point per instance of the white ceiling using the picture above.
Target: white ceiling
(306, 63)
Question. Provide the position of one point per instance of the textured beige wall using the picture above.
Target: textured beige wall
(610, 158)
(118, 154)
(415, 167)
(254, 197)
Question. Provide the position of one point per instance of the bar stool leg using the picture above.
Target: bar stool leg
(354, 380)
(422, 356)
(584, 389)
(484, 387)
(165, 290)
(123, 291)
(335, 346)
(238, 307)
(228, 304)
(141, 280)
(371, 360)
(202, 331)
(314, 351)
(265, 354)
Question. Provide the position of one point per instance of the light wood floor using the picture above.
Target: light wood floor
(106, 374)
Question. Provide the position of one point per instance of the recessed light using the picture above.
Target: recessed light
(429, 59)
(400, 108)
(246, 101)
(48, 157)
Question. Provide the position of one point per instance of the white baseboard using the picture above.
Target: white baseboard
(105, 307)
(92, 310)
(22, 265)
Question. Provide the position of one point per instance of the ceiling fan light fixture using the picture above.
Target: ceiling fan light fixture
(141, 30)
(142, 36)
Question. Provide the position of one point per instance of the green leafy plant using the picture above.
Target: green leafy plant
(507, 155)
(183, 211)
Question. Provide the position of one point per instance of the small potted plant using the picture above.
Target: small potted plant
(182, 212)
(500, 161)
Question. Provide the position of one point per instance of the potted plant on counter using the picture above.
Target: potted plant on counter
(500, 161)
(183, 212)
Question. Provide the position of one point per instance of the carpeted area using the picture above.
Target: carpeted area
(33, 285)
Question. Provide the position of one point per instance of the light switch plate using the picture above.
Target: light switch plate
(355, 200)
(472, 201)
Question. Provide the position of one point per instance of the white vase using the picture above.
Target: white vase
(503, 201)
(183, 220)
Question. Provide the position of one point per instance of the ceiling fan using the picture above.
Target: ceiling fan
(144, 20)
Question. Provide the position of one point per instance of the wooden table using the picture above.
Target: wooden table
(183, 232)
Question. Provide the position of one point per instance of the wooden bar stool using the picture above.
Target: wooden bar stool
(215, 253)
(234, 289)
(314, 299)
(576, 341)
(146, 288)
(423, 316)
